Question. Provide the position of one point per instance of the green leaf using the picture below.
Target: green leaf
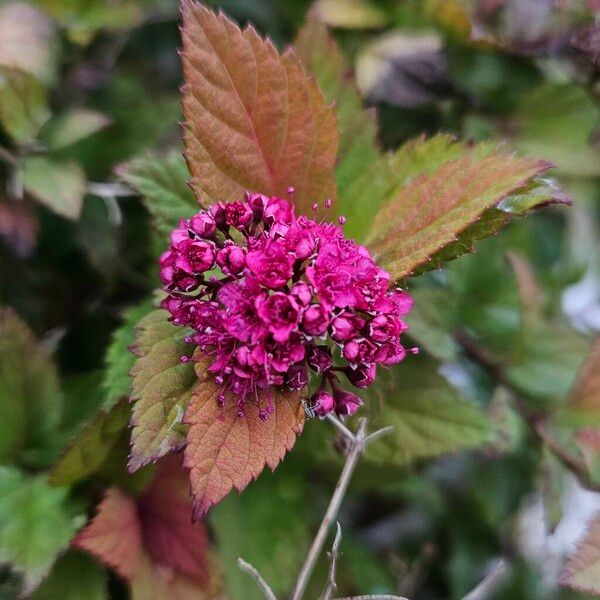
(162, 184)
(28, 41)
(428, 324)
(358, 127)
(545, 362)
(60, 185)
(88, 451)
(84, 19)
(23, 105)
(274, 541)
(30, 396)
(429, 417)
(72, 126)
(351, 14)
(556, 121)
(75, 576)
(161, 389)
(83, 399)
(119, 358)
(438, 214)
(36, 523)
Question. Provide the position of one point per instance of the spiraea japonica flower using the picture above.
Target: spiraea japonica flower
(277, 299)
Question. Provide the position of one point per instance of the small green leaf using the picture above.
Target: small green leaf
(119, 358)
(162, 185)
(36, 523)
(75, 576)
(60, 185)
(556, 121)
(30, 397)
(72, 126)
(161, 389)
(275, 541)
(88, 451)
(429, 417)
(351, 14)
(23, 105)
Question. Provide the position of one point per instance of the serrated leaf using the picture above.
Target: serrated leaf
(73, 126)
(36, 523)
(162, 185)
(150, 541)
(27, 40)
(23, 105)
(30, 395)
(119, 358)
(66, 582)
(582, 571)
(429, 417)
(86, 453)
(226, 451)
(429, 214)
(276, 541)
(254, 120)
(60, 185)
(161, 389)
(358, 127)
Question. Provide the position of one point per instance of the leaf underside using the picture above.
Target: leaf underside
(226, 451)
(254, 120)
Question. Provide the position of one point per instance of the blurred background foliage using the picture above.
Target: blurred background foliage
(86, 86)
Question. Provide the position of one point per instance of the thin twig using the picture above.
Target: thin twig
(110, 190)
(535, 422)
(331, 585)
(337, 423)
(262, 584)
(379, 433)
(490, 583)
(356, 449)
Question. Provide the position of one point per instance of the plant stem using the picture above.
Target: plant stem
(262, 584)
(535, 422)
(490, 583)
(356, 449)
(331, 585)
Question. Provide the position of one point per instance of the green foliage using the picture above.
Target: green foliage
(162, 183)
(119, 357)
(59, 185)
(30, 395)
(74, 576)
(275, 542)
(89, 96)
(88, 451)
(36, 523)
(428, 416)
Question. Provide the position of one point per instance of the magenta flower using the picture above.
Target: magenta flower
(286, 296)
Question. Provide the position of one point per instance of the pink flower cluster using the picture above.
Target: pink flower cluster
(272, 296)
